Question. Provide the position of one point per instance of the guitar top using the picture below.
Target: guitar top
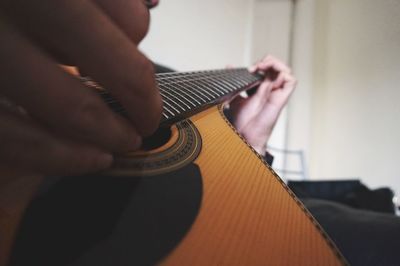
(197, 194)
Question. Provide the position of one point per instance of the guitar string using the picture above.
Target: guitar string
(212, 83)
(172, 92)
(190, 76)
(210, 74)
(172, 97)
(228, 85)
(228, 77)
(202, 76)
(224, 85)
(215, 77)
(172, 73)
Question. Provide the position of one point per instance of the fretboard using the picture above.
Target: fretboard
(186, 93)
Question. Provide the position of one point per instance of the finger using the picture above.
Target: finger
(271, 68)
(276, 63)
(81, 31)
(58, 100)
(30, 149)
(290, 80)
(121, 12)
(288, 86)
(263, 92)
(280, 80)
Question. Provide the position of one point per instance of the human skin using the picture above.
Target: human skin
(255, 116)
(64, 127)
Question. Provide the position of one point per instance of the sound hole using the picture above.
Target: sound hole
(183, 145)
(158, 139)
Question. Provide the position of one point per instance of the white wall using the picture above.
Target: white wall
(208, 34)
(271, 30)
(300, 107)
(356, 111)
(194, 34)
(346, 56)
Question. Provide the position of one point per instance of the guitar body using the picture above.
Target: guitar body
(247, 214)
(204, 197)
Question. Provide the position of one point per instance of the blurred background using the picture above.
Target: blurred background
(344, 119)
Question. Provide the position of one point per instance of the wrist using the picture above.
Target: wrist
(257, 140)
(260, 149)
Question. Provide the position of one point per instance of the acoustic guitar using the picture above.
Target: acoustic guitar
(196, 194)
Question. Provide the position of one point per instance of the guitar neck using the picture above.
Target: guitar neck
(187, 93)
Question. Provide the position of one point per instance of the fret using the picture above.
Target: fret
(204, 98)
(204, 75)
(227, 87)
(165, 115)
(173, 75)
(171, 101)
(212, 86)
(168, 110)
(173, 95)
(237, 81)
(193, 74)
(232, 80)
(201, 76)
(206, 89)
(185, 91)
(224, 82)
(218, 88)
(204, 86)
(171, 106)
(193, 93)
(191, 89)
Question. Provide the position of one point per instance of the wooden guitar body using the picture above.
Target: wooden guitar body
(218, 203)
(247, 215)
